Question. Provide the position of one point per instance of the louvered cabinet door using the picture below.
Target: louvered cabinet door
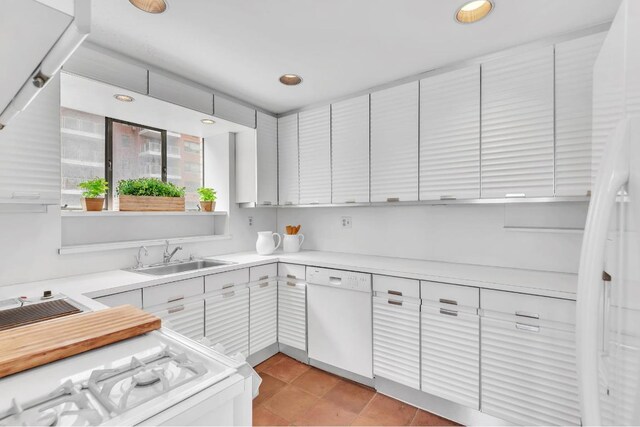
(518, 126)
(288, 178)
(267, 161)
(529, 373)
(263, 316)
(314, 127)
(227, 321)
(574, 103)
(394, 144)
(350, 150)
(292, 315)
(396, 341)
(186, 319)
(450, 135)
(451, 355)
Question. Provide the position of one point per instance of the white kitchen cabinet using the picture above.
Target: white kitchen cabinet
(263, 315)
(528, 359)
(396, 339)
(451, 342)
(263, 272)
(227, 320)
(517, 157)
(288, 172)
(267, 160)
(575, 60)
(226, 280)
(133, 298)
(394, 144)
(99, 64)
(234, 111)
(171, 292)
(176, 92)
(314, 127)
(450, 135)
(350, 150)
(292, 314)
(186, 318)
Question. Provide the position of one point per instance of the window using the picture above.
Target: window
(95, 146)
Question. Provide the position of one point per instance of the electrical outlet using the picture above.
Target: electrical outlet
(346, 222)
(250, 221)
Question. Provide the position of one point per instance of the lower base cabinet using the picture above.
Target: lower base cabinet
(263, 316)
(186, 318)
(292, 314)
(227, 320)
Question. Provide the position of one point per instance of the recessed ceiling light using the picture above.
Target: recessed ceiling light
(474, 11)
(208, 121)
(124, 98)
(290, 79)
(150, 6)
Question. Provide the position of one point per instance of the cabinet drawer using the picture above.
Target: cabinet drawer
(291, 271)
(174, 291)
(263, 272)
(186, 319)
(176, 92)
(450, 295)
(133, 298)
(227, 321)
(396, 286)
(216, 282)
(527, 308)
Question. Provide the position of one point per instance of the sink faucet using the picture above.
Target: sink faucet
(166, 258)
(139, 256)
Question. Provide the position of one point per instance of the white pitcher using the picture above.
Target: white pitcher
(265, 244)
(292, 242)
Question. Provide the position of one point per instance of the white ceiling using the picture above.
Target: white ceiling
(339, 47)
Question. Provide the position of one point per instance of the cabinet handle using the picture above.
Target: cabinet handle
(288, 203)
(291, 284)
(335, 280)
(447, 197)
(176, 298)
(394, 292)
(291, 276)
(263, 277)
(176, 309)
(527, 315)
(264, 285)
(315, 202)
(448, 312)
(448, 301)
(350, 201)
(514, 195)
(266, 203)
(228, 294)
(393, 199)
(390, 301)
(525, 327)
(227, 286)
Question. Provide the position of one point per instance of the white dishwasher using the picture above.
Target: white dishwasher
(339, 321)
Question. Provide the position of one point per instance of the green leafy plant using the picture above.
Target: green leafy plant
(94, 188)
(207, 194)
(149, 187)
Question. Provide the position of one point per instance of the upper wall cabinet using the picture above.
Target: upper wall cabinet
(394, 144)
(267, 162)
(518, 125)
(288, 178)
(97, 64)
(575, 60)
(450, 135)
(314, 127)
(234, 112)
(350, 150)
(179, 93)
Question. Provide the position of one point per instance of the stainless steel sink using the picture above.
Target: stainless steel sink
(180, 267)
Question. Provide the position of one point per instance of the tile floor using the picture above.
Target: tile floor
(293, 393)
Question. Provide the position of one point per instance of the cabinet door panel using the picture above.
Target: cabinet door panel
(394, 144)
(450, 135)
(292, 315)
(518, 125)
(263, 316)
(227, 321)
(350, 150)
(315, 155)
(267, 161)
(176, 92)
(288, 177)
(174, 291)
(186, 319)
(574, 103)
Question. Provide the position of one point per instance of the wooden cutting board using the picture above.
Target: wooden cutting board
(33, 345)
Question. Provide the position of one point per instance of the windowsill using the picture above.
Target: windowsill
(110, 246)
(78, 213)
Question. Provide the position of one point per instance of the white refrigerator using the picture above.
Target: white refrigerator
(608, 300)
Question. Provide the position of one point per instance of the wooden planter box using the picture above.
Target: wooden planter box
(151, 204)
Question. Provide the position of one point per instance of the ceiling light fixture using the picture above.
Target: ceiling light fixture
(474, 11)
(290, 79)
(124, 98)
(150, 6)
(208, 121)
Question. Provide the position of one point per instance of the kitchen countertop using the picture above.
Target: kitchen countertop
(559, 285)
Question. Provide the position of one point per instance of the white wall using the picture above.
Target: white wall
(473, 234)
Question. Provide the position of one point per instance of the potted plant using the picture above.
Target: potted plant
(93, 191)
(149, 194)
(207, 199)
